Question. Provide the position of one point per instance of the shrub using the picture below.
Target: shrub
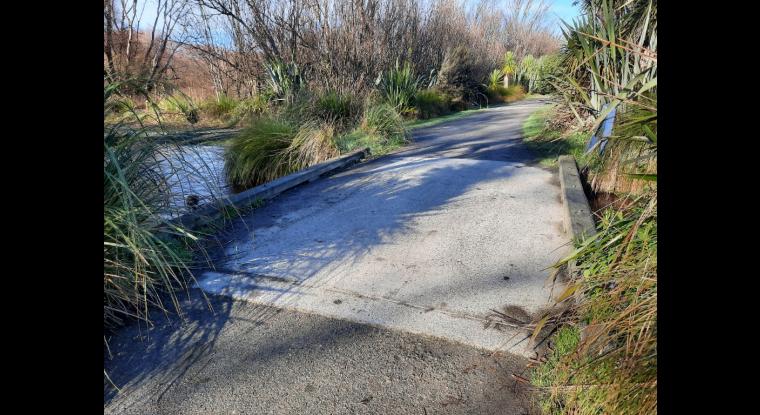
(514, 93)
(256, 105)
(259, 153)
(221, 107)
(431, 103)
(496, 93)
(460, 76)
(335, 108)
(399, 86)
(499, 93)
(178, 104)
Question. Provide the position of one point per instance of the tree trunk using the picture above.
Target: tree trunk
(108, 15)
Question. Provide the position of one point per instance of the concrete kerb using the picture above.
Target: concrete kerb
(577, 221)
(213, 212)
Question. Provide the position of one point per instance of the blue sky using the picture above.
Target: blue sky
(565, 10)
(560, 9)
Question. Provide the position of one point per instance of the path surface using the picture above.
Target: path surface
(428, 240)
(252, 359)
(380, 277)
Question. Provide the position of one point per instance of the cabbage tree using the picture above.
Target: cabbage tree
(509, 67)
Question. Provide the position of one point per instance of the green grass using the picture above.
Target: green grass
(615, 369)
(564, 342)
(178, 105)
(381, 129)
(550, 144)
(258, 154)
(222, 107)
(562, 368)
(431, 103)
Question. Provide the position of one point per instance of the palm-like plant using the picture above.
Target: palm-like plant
(285, 79)
(495, 78)
(399, 85)
(509, 67)
(611, 52)
(527, 70)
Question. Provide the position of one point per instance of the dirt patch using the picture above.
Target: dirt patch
(602, 200)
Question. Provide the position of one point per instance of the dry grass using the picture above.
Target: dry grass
(614, 368)
(314, 143)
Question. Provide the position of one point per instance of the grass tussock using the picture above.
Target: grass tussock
(384, 121)
(259, 153)
(309, 129)
(614, 368)
(140, 263)
(339, 109)
(314, 143)
(381, 129)
(499, 93)
(146, 258)
(220, 107)
(431, 103)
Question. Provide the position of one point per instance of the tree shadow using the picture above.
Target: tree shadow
(327, 227)
(137, 352)
(324, 228)
(309, 349)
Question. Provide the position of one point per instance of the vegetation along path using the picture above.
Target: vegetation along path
(406, 256)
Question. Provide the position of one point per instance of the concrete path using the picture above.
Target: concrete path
(428, 240)
(246, 358)
(420, 245)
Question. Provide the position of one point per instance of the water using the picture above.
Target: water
(194, 171)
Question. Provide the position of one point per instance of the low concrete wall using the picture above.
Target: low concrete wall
(578, 220)
(242, 201)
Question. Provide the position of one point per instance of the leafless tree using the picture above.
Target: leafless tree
(527, 28)
(130, 56)
(337, 44)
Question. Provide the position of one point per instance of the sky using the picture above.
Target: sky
(565, 10)
(560, 9)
